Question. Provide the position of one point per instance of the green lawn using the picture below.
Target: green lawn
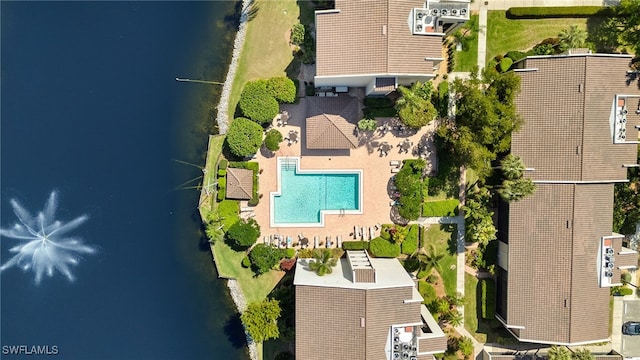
(481, 329)
(269, 28)
(210, 176)
(441, 237)
(468, 58)
(255, 288)
(504, 34)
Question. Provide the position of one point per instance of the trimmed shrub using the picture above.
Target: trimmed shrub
(625, 277)
(223, 164)
(243, 234)
(282, 89)
(355, 245)
(505, 64)
(411, 264)
(556, 12)
(427, 291)
(289, 253)
(246, 263)
(273, 139)
(297, 34)
(515, 55)
(264, 258)
(440, 208)
(621, 291)
(367, 124)
(382, 248)
(222, 172)
(410, 243)
(222, 188)
(257, 103)
(244, 137)
(488, 294)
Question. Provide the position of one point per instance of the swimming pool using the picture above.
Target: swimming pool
(304, 196)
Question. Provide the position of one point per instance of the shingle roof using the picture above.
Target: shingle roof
(554, 235)
(331, 122)
(373, 37)
(239, 184)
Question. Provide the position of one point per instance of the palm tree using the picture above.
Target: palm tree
(573, 37)
(558, 353)
(514, 190)
(429, 260)
(414, 106)
(454, 318)
(512, 167)
(582, 354)
(324, 262)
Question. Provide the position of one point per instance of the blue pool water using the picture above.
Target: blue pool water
(304, 195)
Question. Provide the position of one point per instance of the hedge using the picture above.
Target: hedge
(222, 188)
(222, 172)
(355, 245)
(427, 291)
(378, 102)
(505, 64)
(257, 103)
(255, 167)
(440, 208)
(410, 243)
(621, 291)
(556, 12)
(223, 164)
(382, 248)
(488, 293)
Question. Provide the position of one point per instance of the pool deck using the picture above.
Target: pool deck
(376, 207)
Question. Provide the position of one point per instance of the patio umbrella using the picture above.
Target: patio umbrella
(304, 242)
(293, 136)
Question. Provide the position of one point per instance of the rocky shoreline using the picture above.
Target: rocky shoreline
(222, 117)
(222, 120)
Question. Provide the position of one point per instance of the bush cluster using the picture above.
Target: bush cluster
(555, 12)
(244, 137)
(243, 234)
(621, 291)
(282, 89)
(440, 208)
(257, 103)
(488, 294)
(409, 183)
(427, 291)
(265, 257)
(382, 248)
(505, 64)
(297, 34)
(355, 245)
(272, 140)
(410, 243)
(222, 188)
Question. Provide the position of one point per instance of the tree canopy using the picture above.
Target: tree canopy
(485, 119)
(478, 218)
(414, 105)
(272, 140)
(514, 190)
(243, 234)
(572, 37)
(244, 137)
(261, 320)
(264, 257)
(558, 353)
(257, 102)
(282, 89)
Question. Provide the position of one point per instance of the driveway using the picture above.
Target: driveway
(631, 344)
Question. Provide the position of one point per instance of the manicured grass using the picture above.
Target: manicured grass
(467, 58)
(504, 34)
(269, 28)
(470, 307)
(442, 237)
(210, 176)
(255, 288)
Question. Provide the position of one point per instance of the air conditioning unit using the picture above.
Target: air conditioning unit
(396, 355)
(419, 15)
(463, 12)
(609, 265)
(624, 111)
(454, 12)
(419, 27)
(610, 251)
(608, 274)
(623, 120)
(435, 12)
(445, 12)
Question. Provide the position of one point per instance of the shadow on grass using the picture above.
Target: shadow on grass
(452, 244)
(235, 332)
(285, 294)
(493, 329)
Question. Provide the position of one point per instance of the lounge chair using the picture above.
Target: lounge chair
(328, 242)
(316, 241)
(394, 163)
(372, 233)
(395, 170)
(356, 231)
(364, 233)
(339, 241)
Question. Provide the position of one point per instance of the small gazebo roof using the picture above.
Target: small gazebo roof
(331, 122)
(239, 184)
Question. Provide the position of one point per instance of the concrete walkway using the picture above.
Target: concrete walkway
(482, 36)
(506, 4)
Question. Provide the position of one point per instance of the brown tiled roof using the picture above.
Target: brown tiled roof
(372, 37)
(239, 184)
(554, 235)
(331, 122)
(337, 318)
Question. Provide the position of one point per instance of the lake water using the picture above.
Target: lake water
(90, 107)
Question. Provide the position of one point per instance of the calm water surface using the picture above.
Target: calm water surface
(90, 107)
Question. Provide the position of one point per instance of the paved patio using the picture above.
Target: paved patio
(376, 207)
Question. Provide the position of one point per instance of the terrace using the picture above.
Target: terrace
(375, 166)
